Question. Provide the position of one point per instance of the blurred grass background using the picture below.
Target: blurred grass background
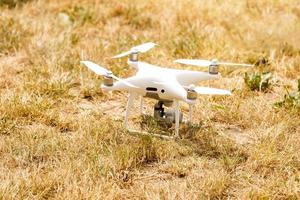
(62, 138)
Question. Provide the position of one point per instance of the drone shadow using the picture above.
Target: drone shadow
(203, 140)
(151, 125)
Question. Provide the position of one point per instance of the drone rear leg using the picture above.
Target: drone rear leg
(177, 119)
(128, 106)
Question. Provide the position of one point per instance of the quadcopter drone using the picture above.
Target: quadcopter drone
(167, 86)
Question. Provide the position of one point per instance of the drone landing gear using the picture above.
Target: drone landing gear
(169, 116)
(177, 112)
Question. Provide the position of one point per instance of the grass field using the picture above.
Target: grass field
(61, 137)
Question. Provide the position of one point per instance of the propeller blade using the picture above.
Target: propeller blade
(104, 72)
(235, 64)
(140, 48)
(144, 47)
(207, 63)
(199, 63)
(212, 91)
(95, 68)
(122, 54)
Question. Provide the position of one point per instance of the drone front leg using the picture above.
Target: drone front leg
(177, 119)
(128, 106)
(141, 105)
(190, 112)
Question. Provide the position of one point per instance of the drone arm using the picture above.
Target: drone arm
(187, 77)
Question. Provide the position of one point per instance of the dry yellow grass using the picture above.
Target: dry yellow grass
(60, 139)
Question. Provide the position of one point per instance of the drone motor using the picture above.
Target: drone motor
(213, 68)
(134, 55)
(191, 94)
(108, 81)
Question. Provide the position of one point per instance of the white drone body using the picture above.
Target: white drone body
(163, 84)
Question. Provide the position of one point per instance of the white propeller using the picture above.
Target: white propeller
(207, 63)
(212, 91)
(104, 72)
(204, 91)
(95, 68)
(139, 49)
